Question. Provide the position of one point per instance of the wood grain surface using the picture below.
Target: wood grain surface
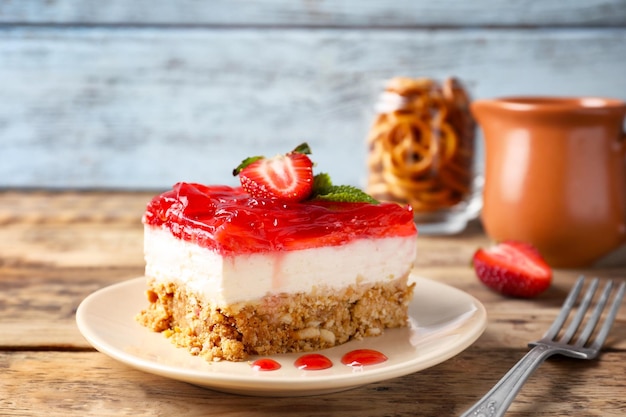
(103, 94)
(58, 247)
(91, 384)
(371, 13)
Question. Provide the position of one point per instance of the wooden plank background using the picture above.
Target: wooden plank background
(141, 94)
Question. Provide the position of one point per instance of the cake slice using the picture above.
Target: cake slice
(232, 274)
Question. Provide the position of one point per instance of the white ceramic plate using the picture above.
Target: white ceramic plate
(443, 322)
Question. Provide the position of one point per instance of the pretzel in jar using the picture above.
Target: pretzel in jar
(421, 145)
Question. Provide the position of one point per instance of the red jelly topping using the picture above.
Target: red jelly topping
(265, 364)
(313, 362)
(229, 220)
(363, 357)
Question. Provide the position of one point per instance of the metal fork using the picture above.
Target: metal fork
(499, 398)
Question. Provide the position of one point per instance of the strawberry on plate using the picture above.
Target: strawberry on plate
(513, 268)
(287, 177)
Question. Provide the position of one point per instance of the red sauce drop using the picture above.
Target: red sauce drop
(313, 362)
(363, 357)
(265, 364)
(229, 220)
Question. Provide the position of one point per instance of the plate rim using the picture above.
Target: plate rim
(287, 385)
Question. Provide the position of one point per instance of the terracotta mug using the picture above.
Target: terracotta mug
(555, 175)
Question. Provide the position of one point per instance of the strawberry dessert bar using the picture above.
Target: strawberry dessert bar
(287, 262)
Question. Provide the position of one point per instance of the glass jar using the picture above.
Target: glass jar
(422, 151)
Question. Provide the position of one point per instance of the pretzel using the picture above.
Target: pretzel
(421, 145)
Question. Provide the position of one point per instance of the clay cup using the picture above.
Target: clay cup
(555, 175)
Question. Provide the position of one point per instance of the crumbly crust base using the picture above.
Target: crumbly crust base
(274, 324)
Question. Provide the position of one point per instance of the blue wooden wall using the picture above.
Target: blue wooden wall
(143, 93)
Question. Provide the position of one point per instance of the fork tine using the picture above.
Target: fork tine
(595, 317)
(580, 314)
(568, 304)
(498, 399)
(604, 330)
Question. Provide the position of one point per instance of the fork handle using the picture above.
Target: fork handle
(499, 398)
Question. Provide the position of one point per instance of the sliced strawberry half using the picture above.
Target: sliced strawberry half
(286, 177)
(513, 268)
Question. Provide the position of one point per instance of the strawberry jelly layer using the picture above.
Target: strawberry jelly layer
(229, 220)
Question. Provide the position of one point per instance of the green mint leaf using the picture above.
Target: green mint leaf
(323, 189)
(245, 163)
(302, 148)
(347, 194)
(321, 183)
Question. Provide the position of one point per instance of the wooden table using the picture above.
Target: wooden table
(58, 247)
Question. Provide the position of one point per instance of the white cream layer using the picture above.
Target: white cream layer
(226, 280)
